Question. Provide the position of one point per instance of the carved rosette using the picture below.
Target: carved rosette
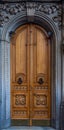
(20, 99)
(40, 100)
(11, 9)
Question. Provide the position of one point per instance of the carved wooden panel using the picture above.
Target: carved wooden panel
(40, 100)
(30, 74)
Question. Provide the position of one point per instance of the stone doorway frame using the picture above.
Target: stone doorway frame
(30, 16)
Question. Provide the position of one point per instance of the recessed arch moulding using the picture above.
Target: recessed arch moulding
(47, 16)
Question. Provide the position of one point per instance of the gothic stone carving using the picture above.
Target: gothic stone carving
(51, 9)
(9, 10)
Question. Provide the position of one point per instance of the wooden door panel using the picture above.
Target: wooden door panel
(30, 74)
(21, 51)
(20, 100)
(19, 75)
(40, 106)
(19, 55)
(41, 86)
(41, 52)
(20, 105)
(12, 62)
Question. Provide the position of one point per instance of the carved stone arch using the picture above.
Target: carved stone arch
(9, 29)
(39, 18)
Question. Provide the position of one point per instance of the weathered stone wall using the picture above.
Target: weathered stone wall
(49, 16)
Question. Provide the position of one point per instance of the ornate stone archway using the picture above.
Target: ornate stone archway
(13, 16)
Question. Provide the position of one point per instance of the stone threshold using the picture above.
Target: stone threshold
(28, 128)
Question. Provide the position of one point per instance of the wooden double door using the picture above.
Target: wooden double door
(30, 75)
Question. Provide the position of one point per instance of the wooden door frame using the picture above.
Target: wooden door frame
(49, 26)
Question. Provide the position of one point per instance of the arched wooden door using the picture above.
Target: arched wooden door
(30, 75)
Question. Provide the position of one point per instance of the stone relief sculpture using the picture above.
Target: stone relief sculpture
(9, 10)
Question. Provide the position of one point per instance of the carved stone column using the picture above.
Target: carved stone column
(62, 51)
(63, 22)
(62, 102)
(6, 83)
(0, 77)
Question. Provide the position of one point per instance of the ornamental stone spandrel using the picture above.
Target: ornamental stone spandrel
(9, 10)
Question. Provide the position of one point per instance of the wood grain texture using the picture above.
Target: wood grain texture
(30, 74)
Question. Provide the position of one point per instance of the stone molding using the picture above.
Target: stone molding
(52, 10)
(63, 24)
(30, 0)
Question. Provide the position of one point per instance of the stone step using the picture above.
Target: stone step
(28, 128)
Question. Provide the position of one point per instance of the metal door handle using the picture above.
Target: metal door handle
(19, 81)
(40, 81)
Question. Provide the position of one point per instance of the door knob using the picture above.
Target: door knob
(40, 81)
(19, 81)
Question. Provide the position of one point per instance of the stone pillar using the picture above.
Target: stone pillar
(63, 22)
(62, 102)
(5, 113)
(62, 51)
(7, 82)
(0, 79)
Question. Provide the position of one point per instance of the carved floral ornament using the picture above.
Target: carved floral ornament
(9, 10)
